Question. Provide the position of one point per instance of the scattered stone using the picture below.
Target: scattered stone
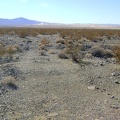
(115, 106)
(113, 74)
(91, 87)
(102, 64)
(117, 82)
(111, 77)
(52, 114)
(112, 96)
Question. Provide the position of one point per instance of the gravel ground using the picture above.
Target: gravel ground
(51, 88)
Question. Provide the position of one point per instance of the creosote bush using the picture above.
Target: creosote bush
(101, 52)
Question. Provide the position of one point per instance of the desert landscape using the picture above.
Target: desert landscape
(59, 74)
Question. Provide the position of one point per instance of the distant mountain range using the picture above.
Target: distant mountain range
(23, 22)
(19, 22)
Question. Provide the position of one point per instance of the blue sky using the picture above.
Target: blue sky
(63, 11)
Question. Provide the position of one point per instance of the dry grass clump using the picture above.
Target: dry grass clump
(18, 48)
(42, 47)
(10, 82)
(43, 44)
(62, 41)
(8, 50)
(63, 55)
(117, 53)
(45, 41)
(52, 52)
(11, 49)
(73, 49)
(101, 52)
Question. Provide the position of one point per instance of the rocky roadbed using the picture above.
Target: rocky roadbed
(50, 88)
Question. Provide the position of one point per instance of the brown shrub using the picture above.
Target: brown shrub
(40, 44)
(18, 48)
(52, 52)
(45, 41)
(11, 49)
(62, 41)
(42, 47)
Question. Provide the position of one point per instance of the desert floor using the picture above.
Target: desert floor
(50, 88)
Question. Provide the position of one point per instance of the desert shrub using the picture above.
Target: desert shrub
(52, 52)
(117, 52)
(67, 51)
(18, 48)
(63, 55)
(42, 47)
(9, 82)
(101, 52)
(11, 49)
(84, 47)
(45, 41)
(62, 41)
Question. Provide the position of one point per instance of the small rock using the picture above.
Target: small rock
(115, 106)
(52, 114)
(112, 96)
(91, 87)
(102, 64)
(40, 118)
(117, 82)
(111, 77)
(113, 74)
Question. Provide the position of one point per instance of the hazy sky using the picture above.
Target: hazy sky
(63, 11)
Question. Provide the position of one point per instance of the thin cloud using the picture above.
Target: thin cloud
(45, 5)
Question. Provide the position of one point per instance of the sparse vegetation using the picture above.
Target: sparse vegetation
(69, 38)
(62, 41)
(101, 52)
(9, 82)
(8, 49)
(52, 52)
(71, 34)
(45, 41)
(117, 53)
